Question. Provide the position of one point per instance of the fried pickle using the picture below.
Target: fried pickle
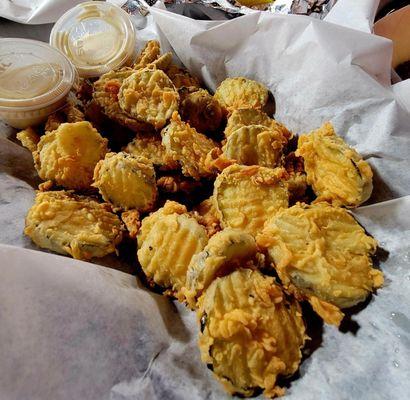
(105, 95)
(245, 197)
(250, 333)
(181, 78)
(225, 251)
(321, 252)
(188, 147)
(149, 96)
(165, 248)
(29, 138)
(126, 181)
(255, 145)
(75, 225)
(239, 92)
(336, 171)
(68, 155)
(150, 146)
(297, 180)
(251, 116)
(149, 54)
(202, 111)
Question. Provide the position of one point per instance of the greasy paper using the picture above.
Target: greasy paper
(74, 330)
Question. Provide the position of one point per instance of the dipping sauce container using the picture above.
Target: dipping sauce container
(96, 36)
(35, 80)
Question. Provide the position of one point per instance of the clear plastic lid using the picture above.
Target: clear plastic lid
(96, 36)
(33, 74)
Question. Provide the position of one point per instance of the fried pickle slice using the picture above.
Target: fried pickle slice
(250, 333)
(149, 96)
(148, 55)
(251, 116)
(240, 92)
(207, 215)
(201, 111)
(75, 225)
(166, 250)
(29, 138)
(181, 78)
(336, 171)
(245, 197)
(126, 181)
(320, 251)
(188, 147)
(150, 146)
(255, 145)
(105, 95)
(68, 155)
(225, 251)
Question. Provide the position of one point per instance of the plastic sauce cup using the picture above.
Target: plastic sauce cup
(35, 80)
(96, 36)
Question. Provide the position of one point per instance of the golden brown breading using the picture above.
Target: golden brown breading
(149, 54)
(105, 95)
(336, 171)
(225, 251)
(132, 222)
(68, 155)
(321, 251)
(166, 243)
(149, 96)
(188, 147)
(162, 62)
(29, 138)
(70, 224)
(251, 116)
(150, 146)
(206, 215)
(181, 78)
(255, 145)
(239, 92)
(245, 197)
(202, 111)
(126, 181)
(250, 333)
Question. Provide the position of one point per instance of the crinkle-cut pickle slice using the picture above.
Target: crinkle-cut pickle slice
(149, 96)
(190, 148)
(240, 92)
(168, 247)
(252, 116)
(225, 250)
(126, 181)
(336, 171)
(250, 333)
(320, 252)
(247, 196)
(75, 225)
(68, 155)
(255, 145)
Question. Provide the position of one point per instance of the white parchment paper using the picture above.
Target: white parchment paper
(73, 330)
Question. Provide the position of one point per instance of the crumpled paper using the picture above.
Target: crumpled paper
(75, 330)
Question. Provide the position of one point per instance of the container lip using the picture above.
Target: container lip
(60, 90)
(125, 51)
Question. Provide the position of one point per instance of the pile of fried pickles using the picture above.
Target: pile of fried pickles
(272, 232)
